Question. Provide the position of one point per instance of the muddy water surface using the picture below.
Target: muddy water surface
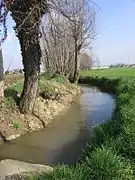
(63, 140)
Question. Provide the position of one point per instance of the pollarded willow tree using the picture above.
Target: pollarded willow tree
(27, 15)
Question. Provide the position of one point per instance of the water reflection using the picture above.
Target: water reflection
(63, 140)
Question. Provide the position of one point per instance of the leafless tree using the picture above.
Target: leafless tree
(65, 36)
(85, 61)
(28, 16)
(1, 76)
(58, 49)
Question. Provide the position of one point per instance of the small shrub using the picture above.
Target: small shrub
(45, 87)
(11, 102)
(16, 124)
(11, 98)
(10, 92)
(60, 78)
(54, 77)
(18, 87)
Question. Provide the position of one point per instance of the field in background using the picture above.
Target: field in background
(12, 79)
(111, 72)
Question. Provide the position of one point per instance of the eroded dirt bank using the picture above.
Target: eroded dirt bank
(54, 96)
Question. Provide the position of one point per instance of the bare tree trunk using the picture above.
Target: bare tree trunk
(76, 65)
(1, 76)
(1, 90)
(31, 61)
(27, 17)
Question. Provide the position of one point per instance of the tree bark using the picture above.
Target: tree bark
(28, 18)
(1, 77)
(1, 91)
(76, 65)
(31, 61)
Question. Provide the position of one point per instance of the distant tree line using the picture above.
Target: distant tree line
(121, 65)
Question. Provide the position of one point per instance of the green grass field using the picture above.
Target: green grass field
(110, 155)
(111, 72)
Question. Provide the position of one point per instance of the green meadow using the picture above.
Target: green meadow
(111, 154)
(111, 72)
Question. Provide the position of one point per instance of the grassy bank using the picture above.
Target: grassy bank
(55, 93)
(111, 155)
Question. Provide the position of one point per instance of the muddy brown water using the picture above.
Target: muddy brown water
(63, 140)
